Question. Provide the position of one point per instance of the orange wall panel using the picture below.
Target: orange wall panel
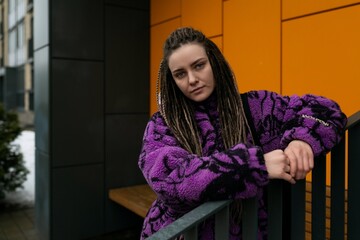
(293, 8)
(218, 42)
(252, 42)
(158, 35)
(162, 10)
(205, 15)
(321, 56)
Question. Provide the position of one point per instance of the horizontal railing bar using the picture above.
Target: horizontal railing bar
(353, 120)
(190, 219)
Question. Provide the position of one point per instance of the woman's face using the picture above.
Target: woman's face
(192, 72)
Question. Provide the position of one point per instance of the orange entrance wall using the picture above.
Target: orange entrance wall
(291, 47)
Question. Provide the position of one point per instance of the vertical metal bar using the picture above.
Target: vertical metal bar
(318, 199)
(338, 191)
(222, 224)
(298, 210)
(191, 234)
(286, 206)
(275, 209)
(250, 219)
(354, 180)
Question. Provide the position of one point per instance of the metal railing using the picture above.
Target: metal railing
(287, 203)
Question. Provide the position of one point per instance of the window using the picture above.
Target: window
(20, 54)
(12, 47)
(11, 6)
(12, 13)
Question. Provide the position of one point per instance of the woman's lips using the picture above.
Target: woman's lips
(196, 90)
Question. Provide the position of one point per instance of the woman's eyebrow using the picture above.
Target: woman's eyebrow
(177, 70)
(197, 61)
(192, 64)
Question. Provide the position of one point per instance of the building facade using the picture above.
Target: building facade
(16, 58)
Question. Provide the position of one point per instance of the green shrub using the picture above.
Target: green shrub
(12, 169)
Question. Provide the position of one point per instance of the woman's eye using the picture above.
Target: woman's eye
(199, 65)
(179, 75)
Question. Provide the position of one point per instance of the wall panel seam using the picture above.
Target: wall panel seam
(164, 21)
(320, 12)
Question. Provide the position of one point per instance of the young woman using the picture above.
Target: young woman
(208, 142)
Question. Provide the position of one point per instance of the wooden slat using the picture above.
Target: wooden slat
(137, 198)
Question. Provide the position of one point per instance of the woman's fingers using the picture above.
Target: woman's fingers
(292, 160)
(287, 168)
(289, 178)
(301, 158)
(277, 164)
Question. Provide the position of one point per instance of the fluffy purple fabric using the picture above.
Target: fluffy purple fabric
(183, 181)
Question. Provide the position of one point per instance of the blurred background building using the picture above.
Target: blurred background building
(16, 58)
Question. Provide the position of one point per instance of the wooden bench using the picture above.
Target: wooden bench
(137, 199)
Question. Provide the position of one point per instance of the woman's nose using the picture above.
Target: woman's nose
(192, 79)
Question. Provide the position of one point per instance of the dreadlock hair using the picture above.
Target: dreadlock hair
(177, 109)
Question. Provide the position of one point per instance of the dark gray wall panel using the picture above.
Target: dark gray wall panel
(78, 202)
(42, 194)
(77, 101)
(123, 144)
(77, 29)
(75, 165)
(124, 135)
(41, 23)
(127, 60)
(41, 101)
(138, 4)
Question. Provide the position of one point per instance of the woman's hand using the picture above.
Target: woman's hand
(301, 158)
(277, 164)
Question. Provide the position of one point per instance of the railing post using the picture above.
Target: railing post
(354, 180)
(337, 192)
(318, 199)
(222, 227)
(191, 234)
(275, 193)
(298, 210)
(250, 219)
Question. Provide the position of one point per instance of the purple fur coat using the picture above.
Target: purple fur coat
(183, 181)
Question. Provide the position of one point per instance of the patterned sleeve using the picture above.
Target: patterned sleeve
(316, 120)
(183, 180)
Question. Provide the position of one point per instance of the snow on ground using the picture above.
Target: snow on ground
(25, 196)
